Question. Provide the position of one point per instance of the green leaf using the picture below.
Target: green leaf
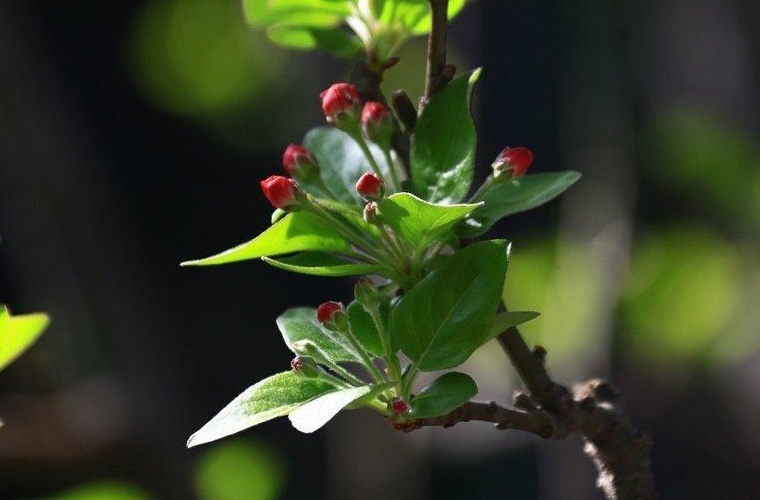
(448, 392)
(418, 221)
(507, 198)
(504, 320)
(297, 232)
(311, 13)
(273, 397)
(332, 41)
(443, 145)
(322, 264)
(442, 320)
(18, 333)
(341, 161)
(316, 413)
(300, 323)
(414, 15)
(364, 329)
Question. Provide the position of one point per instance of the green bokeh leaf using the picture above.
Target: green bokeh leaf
(321, 264)
(300, 323)
(413, 15)
(18, 333)
(316, 413)
(519, 195)
(443, 145)
(273, 397)
(364, 329)
(341, 161)
(332, 41)
(418, 221)
(448, 392)
(310, 13)
(442, 320)
(297, 232)
(102, 490)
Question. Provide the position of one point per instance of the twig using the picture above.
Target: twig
(436, 51)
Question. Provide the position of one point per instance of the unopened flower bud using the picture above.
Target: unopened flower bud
(305, 367)
(281, 192)
(299, 162)
(370, 186)
(332, 316)
(400, 407)
(370, 213)
(366, 293)
(377, 124)
(512, 163)
(340, 104)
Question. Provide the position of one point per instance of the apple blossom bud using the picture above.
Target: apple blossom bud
(340, 104)
(370, 186)
(299, 162)
(332, 316)
(305, 367)
(281, 192)
(370, 213)
(366, 293)
(400, 407)
(377, 124)
(512, 163)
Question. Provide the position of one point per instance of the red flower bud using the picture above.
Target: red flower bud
(512, 161)
(327, 312)
(376, 122)
(299, 161)
(400, 407)
(340, 102)
(280, 191)
(370, 186)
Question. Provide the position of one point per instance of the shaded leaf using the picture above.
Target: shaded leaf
(296, 232)
(507, 198)
(332, 41)
(364, 329)
(273, 397)
(448, 392)
(321, 264)
(316, 413)
(442, 320)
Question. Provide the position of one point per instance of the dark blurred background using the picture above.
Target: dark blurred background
(133, 136)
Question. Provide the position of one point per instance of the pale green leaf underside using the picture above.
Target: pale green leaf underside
(296, 232)
(321, 264)
(448, 392)
(504, 320)
(300, 323)
(273, 397)
(419, 221)
(18, 333)
(442, 320)
(317, 412)
(507, 198)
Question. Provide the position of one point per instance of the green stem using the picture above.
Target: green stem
(344, 373)
(390, 357)
(406, 390)
(359, 138)
(363, 355)
(482, 189)
(391, 168)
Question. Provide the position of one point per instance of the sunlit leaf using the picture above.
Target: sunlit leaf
(18, 333)
(316, 413)
(300, 323)
(321, 264)
(273, 397)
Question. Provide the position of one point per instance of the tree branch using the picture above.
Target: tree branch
(437, 74)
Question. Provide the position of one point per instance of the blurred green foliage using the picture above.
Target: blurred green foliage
(103, 490)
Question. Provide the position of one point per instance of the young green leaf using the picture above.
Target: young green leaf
(364, 329)
(442, 320)
(342, 161)
(332, 41)
(413, 15)
(273, 397)
(448, 392)
(443, 145)
(504, 320)
(317, 412)
(300, 323)
(18, 333)
(310, 13)
(322, 264)
(296, 232)
(507, 198)
(418, 221)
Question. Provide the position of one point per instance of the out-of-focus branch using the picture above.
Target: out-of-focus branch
(438, 73)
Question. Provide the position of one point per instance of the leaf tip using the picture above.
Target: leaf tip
(475, 76)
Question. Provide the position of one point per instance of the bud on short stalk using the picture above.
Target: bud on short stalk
(340, 104)
(512, 163)
(281, 192)
(367, 294)
(305, 366)
(370, 186)
(370, 213)
(377, 124)
(300, 163)
(332, 316)
(399, 407)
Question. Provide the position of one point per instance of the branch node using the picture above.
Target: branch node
(523, 401)
(540, 353)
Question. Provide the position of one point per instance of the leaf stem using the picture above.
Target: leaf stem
(366, 361)
(390, 357)
(391, 168)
